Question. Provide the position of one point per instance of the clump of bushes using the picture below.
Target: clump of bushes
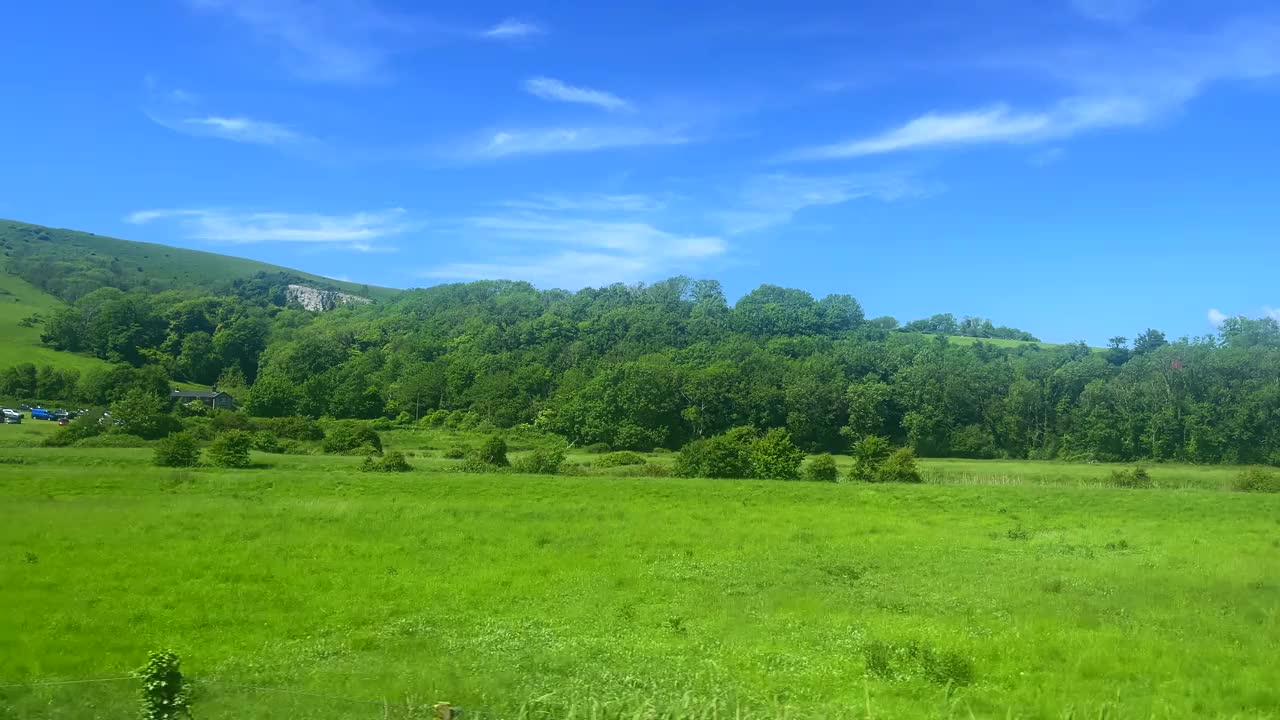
(649, 469)
(540, 461)
(83, 427)
(1136, 477)
(177, 450)
(392, 461)
(822, 469)
(266, 442)
(493, 451)
(457, 452)
(113, 440)
(293, 427)
(742, 453)
(352, 437)
(875, 460)
(230, 449)
(620, 458)
(1256, 480)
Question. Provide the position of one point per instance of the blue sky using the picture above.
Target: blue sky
(1078, 168)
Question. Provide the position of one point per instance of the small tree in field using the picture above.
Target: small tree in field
(822, 469)
(177, 450)
(493, 451)
(230, 449)
(868, 455)
(775, 457)
(899, 467)
(165, 695)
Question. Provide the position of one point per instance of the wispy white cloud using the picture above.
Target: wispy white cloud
(182, 96)
(1125, 84)
(1217, 317)
(238, 129)
(1112, 11)
(357, 231)
(587, 202)
(512, 28)
(553, 89)
(770, 200)
(544, 141)
(575, 240)
(341, 41)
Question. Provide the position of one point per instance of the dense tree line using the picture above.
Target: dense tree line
(661, 365)
(946, 324)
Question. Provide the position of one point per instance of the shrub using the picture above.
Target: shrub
(868, 455)
(1256, 480)
(723, 456)
(575, 469)
(294, 447)
(473, 465)
(177, 450)
(266, 442)
(382, 423)
(775, 457)
(457, 452)
(113, 440)
(540, 461)
(597, 448)
(822, 469)
(351, 437)
(899, 467)
(292, 427)
(493, 451)
(224, 420)
(1137, 478)
(200, 428)
(651, 469)
(230, 449)
(392, 461)
(622, 457)
(85, 426)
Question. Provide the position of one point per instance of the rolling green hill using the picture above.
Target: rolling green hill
(20, 299)
(68, 263)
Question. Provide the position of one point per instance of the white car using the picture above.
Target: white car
(11, 417)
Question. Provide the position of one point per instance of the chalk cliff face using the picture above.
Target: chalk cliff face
(320, 300)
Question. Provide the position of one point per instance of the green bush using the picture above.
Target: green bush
(382, 424)
(775, 457)
(473, 465)
(224, 420)
(899, 467)
(622, 457)
(723, 456)
(457, 452)
(292, 427)
(493, 451)
(296, 447)
(392, 461)
(1256, 480)
(230, 449)
(113, 440)
(540, 461)
(351, 437)
(1136, 478)
(266, 442)
(83, 427)
(200, 428)
(650, 469)
(868, 455)
(822, 469)
(597, 448)
(178, 450)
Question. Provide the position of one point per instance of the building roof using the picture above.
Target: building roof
(202, 394)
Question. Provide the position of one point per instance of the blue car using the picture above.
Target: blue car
(41, 414)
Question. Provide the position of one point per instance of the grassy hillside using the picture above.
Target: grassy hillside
(133, 262)
(20, 299)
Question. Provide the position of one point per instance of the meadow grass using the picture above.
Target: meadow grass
(19, 300)
(532, 596)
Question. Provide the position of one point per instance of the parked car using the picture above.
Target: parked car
(11, 417)
(39, 413)
(64, 422)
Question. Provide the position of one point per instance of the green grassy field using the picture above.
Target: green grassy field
(18, 300)
(1036, 594)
